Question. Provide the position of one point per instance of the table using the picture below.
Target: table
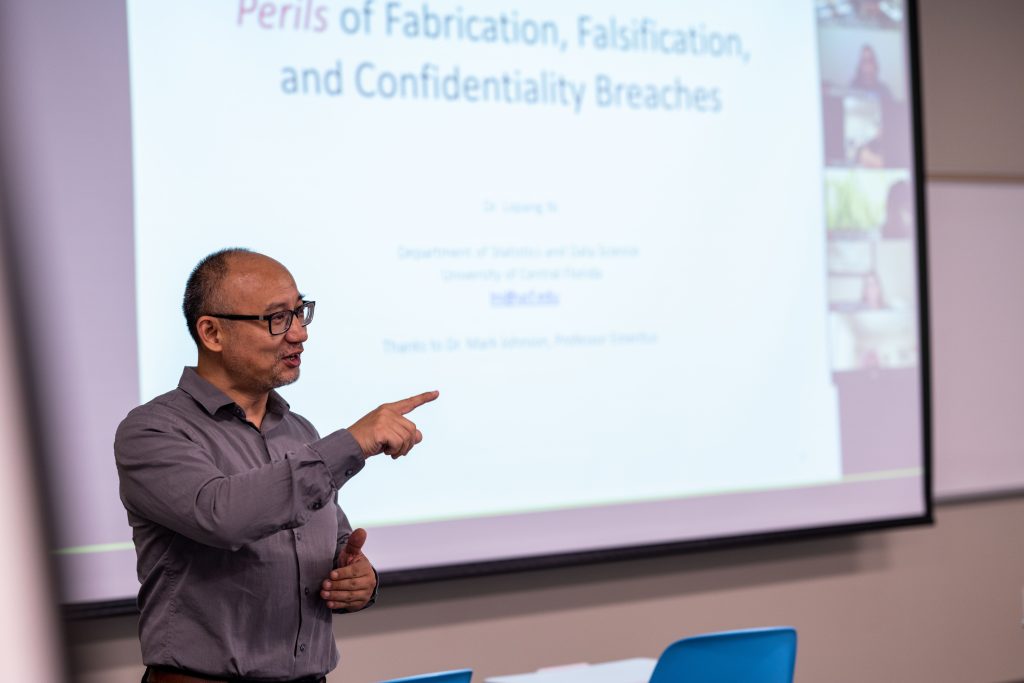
(636, 670)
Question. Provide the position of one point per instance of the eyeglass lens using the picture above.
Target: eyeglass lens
(282, 322)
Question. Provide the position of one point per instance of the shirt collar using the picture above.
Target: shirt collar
(213, 399)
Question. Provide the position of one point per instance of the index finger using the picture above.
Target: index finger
(410, 404)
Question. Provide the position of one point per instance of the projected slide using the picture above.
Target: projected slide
(596, 231)
(660, 259)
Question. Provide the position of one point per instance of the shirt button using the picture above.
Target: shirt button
(302, 647)
(298, 535)
(317, 505)
(306, 591)
(349, 473)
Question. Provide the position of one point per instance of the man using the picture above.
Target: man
(243, 552)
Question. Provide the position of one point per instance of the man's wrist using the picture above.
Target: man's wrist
(342, 454)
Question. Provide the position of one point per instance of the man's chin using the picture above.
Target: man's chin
(285, 378)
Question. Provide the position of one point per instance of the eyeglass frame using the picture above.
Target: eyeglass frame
(292, 314)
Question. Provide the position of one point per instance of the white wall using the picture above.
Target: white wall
(937, 604)
(972, 56)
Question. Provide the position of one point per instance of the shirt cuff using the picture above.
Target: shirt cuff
(342, 455)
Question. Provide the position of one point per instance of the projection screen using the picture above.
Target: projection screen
(664, 262)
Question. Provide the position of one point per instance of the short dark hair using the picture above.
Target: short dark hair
(203, 286)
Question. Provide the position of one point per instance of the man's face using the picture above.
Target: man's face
(255, 360)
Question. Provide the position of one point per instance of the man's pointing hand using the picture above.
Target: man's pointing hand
(387, 430)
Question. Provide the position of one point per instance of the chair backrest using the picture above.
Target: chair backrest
(757, 655)
(457, 676)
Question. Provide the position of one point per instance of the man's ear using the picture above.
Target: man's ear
(210, 333)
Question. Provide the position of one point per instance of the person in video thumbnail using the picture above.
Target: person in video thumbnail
(882, 13)
(243, 550)
(899, 212)
(890, 147)
(866, 77)
(872, 295)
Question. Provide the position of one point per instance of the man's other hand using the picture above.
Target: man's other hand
(352, 584)
(387, 430)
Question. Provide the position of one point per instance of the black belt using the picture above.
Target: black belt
(170, 674)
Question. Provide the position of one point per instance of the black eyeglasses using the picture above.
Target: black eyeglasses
(277, 323)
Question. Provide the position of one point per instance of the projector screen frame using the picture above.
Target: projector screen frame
(115, 608)
(624, 553)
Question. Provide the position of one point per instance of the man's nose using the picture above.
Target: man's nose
(297, 333)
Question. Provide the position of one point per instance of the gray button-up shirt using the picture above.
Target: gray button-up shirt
(235, 528)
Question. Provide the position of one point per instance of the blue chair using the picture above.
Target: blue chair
(457, 676)
(756, 655)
